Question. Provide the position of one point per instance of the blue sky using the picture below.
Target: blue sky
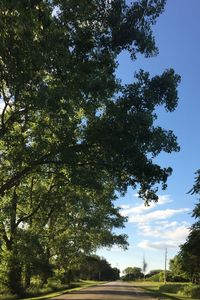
(166, 223)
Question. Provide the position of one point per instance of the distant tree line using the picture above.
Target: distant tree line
(132, 273)
(96, 268)
(90, 267)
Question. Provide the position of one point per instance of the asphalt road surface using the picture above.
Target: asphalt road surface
(116, 290)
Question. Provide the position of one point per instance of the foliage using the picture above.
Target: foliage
(159, 277)
(153, 272)
(172, 288)
(176, 268)
(96, 268)
(132, 273)
(156, 277)
(185, 266)
(71, 134)
(184, 289)
(190, 291)
(189, 251)
(54, 288)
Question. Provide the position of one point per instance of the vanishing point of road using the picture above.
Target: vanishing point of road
(116, 290)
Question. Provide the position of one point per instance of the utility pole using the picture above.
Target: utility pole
(165, 277)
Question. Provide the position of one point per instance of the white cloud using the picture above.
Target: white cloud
(178, 234)
(138, 209)
(157, 245)
(156, 215)
(154, 223)
(127, 210)
(125, 206)
(167, 224)
(164, 199)
(169, 230)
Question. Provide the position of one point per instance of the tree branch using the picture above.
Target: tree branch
(44, 161)
(25, 218)
(4, 235)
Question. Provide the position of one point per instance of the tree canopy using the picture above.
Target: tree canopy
(71, 134)
(132, 273)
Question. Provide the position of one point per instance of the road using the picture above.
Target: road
(117, 290)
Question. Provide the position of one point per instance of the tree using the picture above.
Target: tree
(155, 275)
(132, 273)
(190, 256)
(66, 120)
(68, 233)
(154, 272)
(189, 252)
(176, 269)
(96, 268)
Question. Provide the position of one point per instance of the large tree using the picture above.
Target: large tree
(66, 120)
(189, 253)
(177, 272)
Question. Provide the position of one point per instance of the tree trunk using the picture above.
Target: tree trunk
(14, 267)
(14, 274)
(27, 276)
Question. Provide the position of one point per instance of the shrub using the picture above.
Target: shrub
(53, 283)
(190, 291)
(171, 288)
(154, 278)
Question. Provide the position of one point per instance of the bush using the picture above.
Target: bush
(53, 283)
(159, 277)
(35, 291)
(154, 278)
(191, 291)
(187, 290)
(171, 288)
(8, 297)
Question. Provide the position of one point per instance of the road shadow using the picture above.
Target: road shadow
(112, 292)
(92, 294)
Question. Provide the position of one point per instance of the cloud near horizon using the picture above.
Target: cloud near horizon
(156, 215)
(144, 214)
(128, 210)
(154, 223)
(145, 244)
(173, 231)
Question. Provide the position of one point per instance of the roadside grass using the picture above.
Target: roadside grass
(47, 293)
(171, 290)
(7, 296)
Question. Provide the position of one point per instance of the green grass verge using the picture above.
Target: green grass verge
(156, 289)
(42, 295)
(79, 285)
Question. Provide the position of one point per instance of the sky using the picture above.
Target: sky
(166, 224)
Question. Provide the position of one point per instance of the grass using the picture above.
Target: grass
(8, 297)
(79, 285)
(42, 295)
(158, 289)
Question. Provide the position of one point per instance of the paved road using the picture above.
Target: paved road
(110, 291)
